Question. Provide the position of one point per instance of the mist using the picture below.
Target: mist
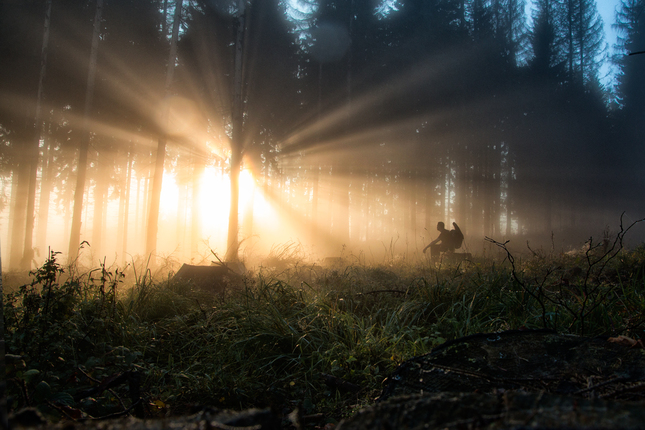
(356, 128)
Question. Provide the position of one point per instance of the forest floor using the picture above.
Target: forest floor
(308, 346)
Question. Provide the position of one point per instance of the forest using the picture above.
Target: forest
(186, 128)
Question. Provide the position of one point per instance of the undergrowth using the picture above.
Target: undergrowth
(318, 340)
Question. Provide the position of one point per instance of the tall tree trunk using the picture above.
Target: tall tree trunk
(182, 216)
(28, 250)
(138, 214)
(126, 209)
(570, 36)
(406, 203)
(315, 228)
(412, 196)
(328, 221)
(164, 23)
(357, 203)
(155, 200)
(45, 191)
(581, 39)
(247, 220)
(145, 203)
(486, 177)
(75, 236)
(388, 205)
(19, 189)
(461, 203)
(123, 176)
(315, 192)
(340, 217)
(67, 201)
(447, 187)
(153, 214)
(195, 224)
(232, 244)
(100, 190)
(4, 417)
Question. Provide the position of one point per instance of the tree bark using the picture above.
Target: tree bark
(155, 199)
(45, 191)
(138, 212)
(247, 220)
(198, 170)
(100, 190)
(153, 214)
(75, 236)
(28, 250)
(4, 417)
(314, 174)
(232, 247)
(126, 209)
(340, 183)
(19, 189)
(412, 196)
(123, 185)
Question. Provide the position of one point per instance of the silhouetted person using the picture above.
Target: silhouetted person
(448, 240)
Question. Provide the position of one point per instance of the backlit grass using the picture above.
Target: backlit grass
(270, 342)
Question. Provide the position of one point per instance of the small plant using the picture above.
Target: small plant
(323, 340)
(52, 330)
(572, 297)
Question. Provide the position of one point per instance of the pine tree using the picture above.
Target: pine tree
(509, 22)
(630, 90)
(153, 214)
(75, 236)
(630, 25)
(582, 30)
(546, 39)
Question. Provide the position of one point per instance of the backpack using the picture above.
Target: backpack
(457, 237)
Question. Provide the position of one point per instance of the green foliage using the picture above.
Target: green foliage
(81, 347)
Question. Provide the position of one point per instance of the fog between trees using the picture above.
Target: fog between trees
(358, 125)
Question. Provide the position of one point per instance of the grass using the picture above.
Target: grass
(70, 336)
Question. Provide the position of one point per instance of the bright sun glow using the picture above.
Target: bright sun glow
(215, 195)
(214, 202)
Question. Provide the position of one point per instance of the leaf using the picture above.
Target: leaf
(626, 341)
(159, 404)
(30, 375)
(63, 399)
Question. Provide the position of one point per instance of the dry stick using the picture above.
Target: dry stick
(60, 409)
(511, 260)
(599, 385)
(104, 386)
(635, 387)
(604, 259)
(222, 262)
(530, 382)
(610, 254)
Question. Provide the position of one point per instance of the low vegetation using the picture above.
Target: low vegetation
(83, 345)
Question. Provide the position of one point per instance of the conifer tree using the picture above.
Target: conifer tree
(582, 30)
(630, 25)
(630, 89)
(546, 39)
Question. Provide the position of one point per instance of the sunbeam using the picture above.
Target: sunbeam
(355, 126)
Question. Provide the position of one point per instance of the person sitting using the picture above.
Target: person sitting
(448, 240)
